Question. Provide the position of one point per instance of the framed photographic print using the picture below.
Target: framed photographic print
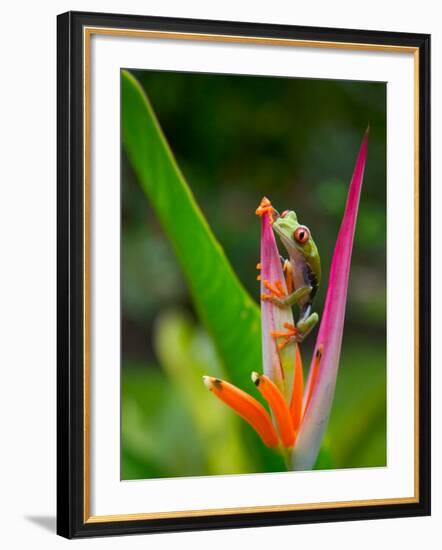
(243, 274)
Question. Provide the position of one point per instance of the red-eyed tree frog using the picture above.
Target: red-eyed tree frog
(302, 270)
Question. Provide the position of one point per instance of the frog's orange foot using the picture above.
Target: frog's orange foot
(276, 291)
(288, 336)
(266, 207)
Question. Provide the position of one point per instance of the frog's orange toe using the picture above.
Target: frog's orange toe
(287, 335)
(265, 207)
(276, 289)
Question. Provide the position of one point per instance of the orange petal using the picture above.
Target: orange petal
(246, 406)
(279, 407)
(314, 376)
(298, 391)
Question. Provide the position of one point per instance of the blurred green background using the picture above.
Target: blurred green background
(237, 138)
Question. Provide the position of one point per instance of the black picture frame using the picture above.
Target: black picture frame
(71, 518)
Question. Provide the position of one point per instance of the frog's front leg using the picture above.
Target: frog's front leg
(278, 297)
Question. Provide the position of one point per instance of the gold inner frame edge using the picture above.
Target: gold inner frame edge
(355, 46)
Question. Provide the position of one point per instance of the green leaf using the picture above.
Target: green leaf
(158, 436)
(226, 309)
(325, 459)
(186, 354)
(357, 432)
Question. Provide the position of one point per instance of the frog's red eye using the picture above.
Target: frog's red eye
(284, 214)
(302, 234)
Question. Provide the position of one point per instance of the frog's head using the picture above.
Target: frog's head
(294, 236)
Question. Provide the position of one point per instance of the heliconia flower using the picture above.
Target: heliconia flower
(299, 416)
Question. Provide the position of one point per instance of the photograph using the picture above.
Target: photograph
(253, 274)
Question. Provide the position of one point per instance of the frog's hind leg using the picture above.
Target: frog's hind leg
(282, 300)
(307, 322)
